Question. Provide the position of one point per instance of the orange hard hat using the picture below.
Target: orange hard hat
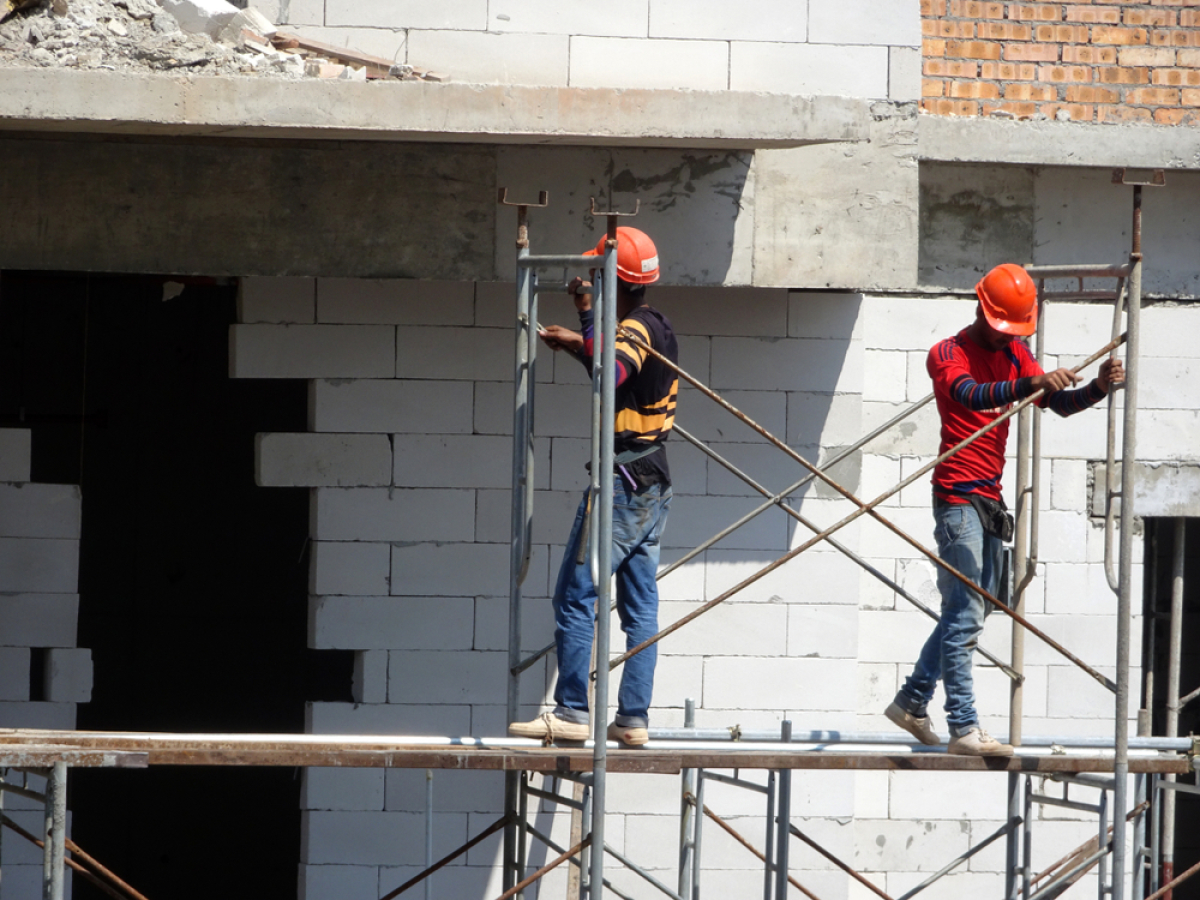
(637, 257)
(1008, 297)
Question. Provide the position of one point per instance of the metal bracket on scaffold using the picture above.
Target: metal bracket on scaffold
(523, 214)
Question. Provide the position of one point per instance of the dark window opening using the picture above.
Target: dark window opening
(193, 580)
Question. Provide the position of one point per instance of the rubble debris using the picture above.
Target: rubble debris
(142, 35)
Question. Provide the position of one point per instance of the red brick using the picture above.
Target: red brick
(950, 107)
(973, 49)
(1039, 92)
(1061, 34)
(1176, 117)
(1152, 97)
(1188, 58)
(1060, 74)
(1008, 71)
(1041, 13)
(1147, 56)
(1093, 16)
(1104, 34)
(974, 90)
(1020, 110)
(1158, 17)
(1087, 93)
(1190, 97)
(1005, 31)
(1176, 37)
(1176, 77)
(1122, 114)
(932, 88)
(972, 9)
(1106, 56)
(1031, 52)
(931, 48)
(933, 7)
(1123, 75)
(1076, 112)
(1189, 18)
(945, 68)
(949, 29)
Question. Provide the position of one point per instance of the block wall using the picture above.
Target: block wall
(859, 48)
(1106, 61)
(407, 458)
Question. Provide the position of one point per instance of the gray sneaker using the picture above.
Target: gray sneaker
(549, 728)
(918, 726)
(978, 742)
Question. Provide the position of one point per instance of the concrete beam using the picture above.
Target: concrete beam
(1161, 489)
(64, 100)
(952, 139)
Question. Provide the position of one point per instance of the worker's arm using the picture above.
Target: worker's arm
(580, 344)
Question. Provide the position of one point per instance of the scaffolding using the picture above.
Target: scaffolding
(699, 756)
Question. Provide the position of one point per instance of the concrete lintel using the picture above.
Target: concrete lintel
(1162, 489)
(976, 140)
(65, 100)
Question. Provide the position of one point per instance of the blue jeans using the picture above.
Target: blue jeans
(961, 542)
(638, 520)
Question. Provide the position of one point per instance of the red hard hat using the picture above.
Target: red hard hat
(1008, 297)
(637, 257)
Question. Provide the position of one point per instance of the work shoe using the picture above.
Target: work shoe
(551, 728)
(978, 742)
(918, 726)
(630, 735)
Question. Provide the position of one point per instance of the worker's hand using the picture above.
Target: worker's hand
(581, 293)
(1055, 381)
(558, 338)
(1112, 371)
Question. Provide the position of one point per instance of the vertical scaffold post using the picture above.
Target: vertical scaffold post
(783, 834)
(522, 506)
(1125, 578)
(604, 378)
(54, 852)
(769, 843)
(689, 811)
(1174, 651)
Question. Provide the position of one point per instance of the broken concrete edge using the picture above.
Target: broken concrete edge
(962, 139)
(60, 100)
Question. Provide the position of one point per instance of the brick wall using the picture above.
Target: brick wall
(1102, 61)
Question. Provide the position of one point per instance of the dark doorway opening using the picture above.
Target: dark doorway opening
(193, 580)
(1160, 568)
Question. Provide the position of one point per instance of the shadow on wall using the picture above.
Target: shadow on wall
(691, 204)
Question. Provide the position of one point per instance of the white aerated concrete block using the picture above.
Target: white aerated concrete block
(342, 788)
(904, 74)
(312, 460)
(52, 716)
(829, 420)
(461, 570)
(709, 422)
(772, 20)
(452, 791)
(14, 673)
(369, 683)
(790, 364)
(733, 628)
(663, 64)
(342, 567)
(885, 375)
(394, 301)
(563, 410)
(554, 513)
(391, 623)
(889, 846)
(277, 300)
(491, 623)
(387, 718)
(864, 22)
(201, 16)
(807, 684)
(827, 632)
(456, 354)
(39, 565)
(388, 406)
(848, 71)
(40, 510)
(416, 676)
(382, 514)
(467, 15)
(491, 58)
(38, 620)
(14, 454)
(68, 675)
(376, 838)
(333, 882)
(693, 519)
(312, 351)
(706, 311)
(467, 461)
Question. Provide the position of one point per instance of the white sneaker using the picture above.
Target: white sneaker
(630, 735)
(918, 726)
(978, 742)
(550, 728)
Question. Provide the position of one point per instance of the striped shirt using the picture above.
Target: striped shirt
(973, 386)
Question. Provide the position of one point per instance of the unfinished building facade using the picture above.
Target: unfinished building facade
(256, 413)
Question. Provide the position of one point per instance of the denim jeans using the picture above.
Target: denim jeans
(638, 520)
(961, 542)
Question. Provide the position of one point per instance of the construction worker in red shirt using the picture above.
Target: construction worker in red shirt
(977, 375)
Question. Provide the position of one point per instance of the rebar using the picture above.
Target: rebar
(841, 865)
(745, 843)
(521, 885)
(448, 858)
